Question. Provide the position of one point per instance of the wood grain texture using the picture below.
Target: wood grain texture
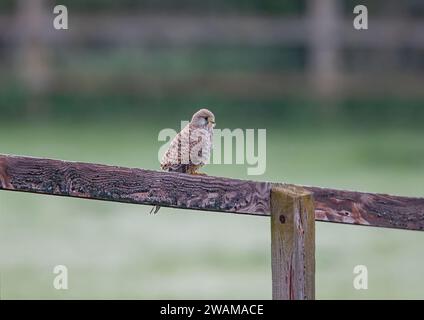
(139, 186)
(292, 243)
(370, 209)
(101, 182)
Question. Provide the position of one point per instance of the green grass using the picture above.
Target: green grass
(119, 251)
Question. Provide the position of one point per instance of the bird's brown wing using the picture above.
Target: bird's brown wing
(174, 158)
(188, 151)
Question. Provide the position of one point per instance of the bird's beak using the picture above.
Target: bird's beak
(211, 123)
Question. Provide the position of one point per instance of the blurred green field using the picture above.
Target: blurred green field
(119, 251)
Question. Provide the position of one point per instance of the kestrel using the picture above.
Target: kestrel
(191, 148)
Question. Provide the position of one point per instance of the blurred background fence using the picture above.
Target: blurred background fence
(144, 53)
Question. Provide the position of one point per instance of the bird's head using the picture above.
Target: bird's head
(203, 119)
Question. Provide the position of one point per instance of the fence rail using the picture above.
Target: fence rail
(323, 30)
(143, 29)
(139, 186)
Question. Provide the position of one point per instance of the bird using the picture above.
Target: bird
(191, 147)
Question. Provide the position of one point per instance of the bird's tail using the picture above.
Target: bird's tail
(155, 209)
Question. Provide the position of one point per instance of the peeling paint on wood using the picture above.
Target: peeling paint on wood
(379, 210)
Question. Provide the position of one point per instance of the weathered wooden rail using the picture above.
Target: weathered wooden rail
(102, 182)
(292, 210)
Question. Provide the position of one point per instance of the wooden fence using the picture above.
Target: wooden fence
(293, 209)
(323, 29)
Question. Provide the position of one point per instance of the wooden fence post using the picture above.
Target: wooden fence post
(292, 243)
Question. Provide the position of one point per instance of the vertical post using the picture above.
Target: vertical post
(292, 243)
(324, 32)
(32, 57)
